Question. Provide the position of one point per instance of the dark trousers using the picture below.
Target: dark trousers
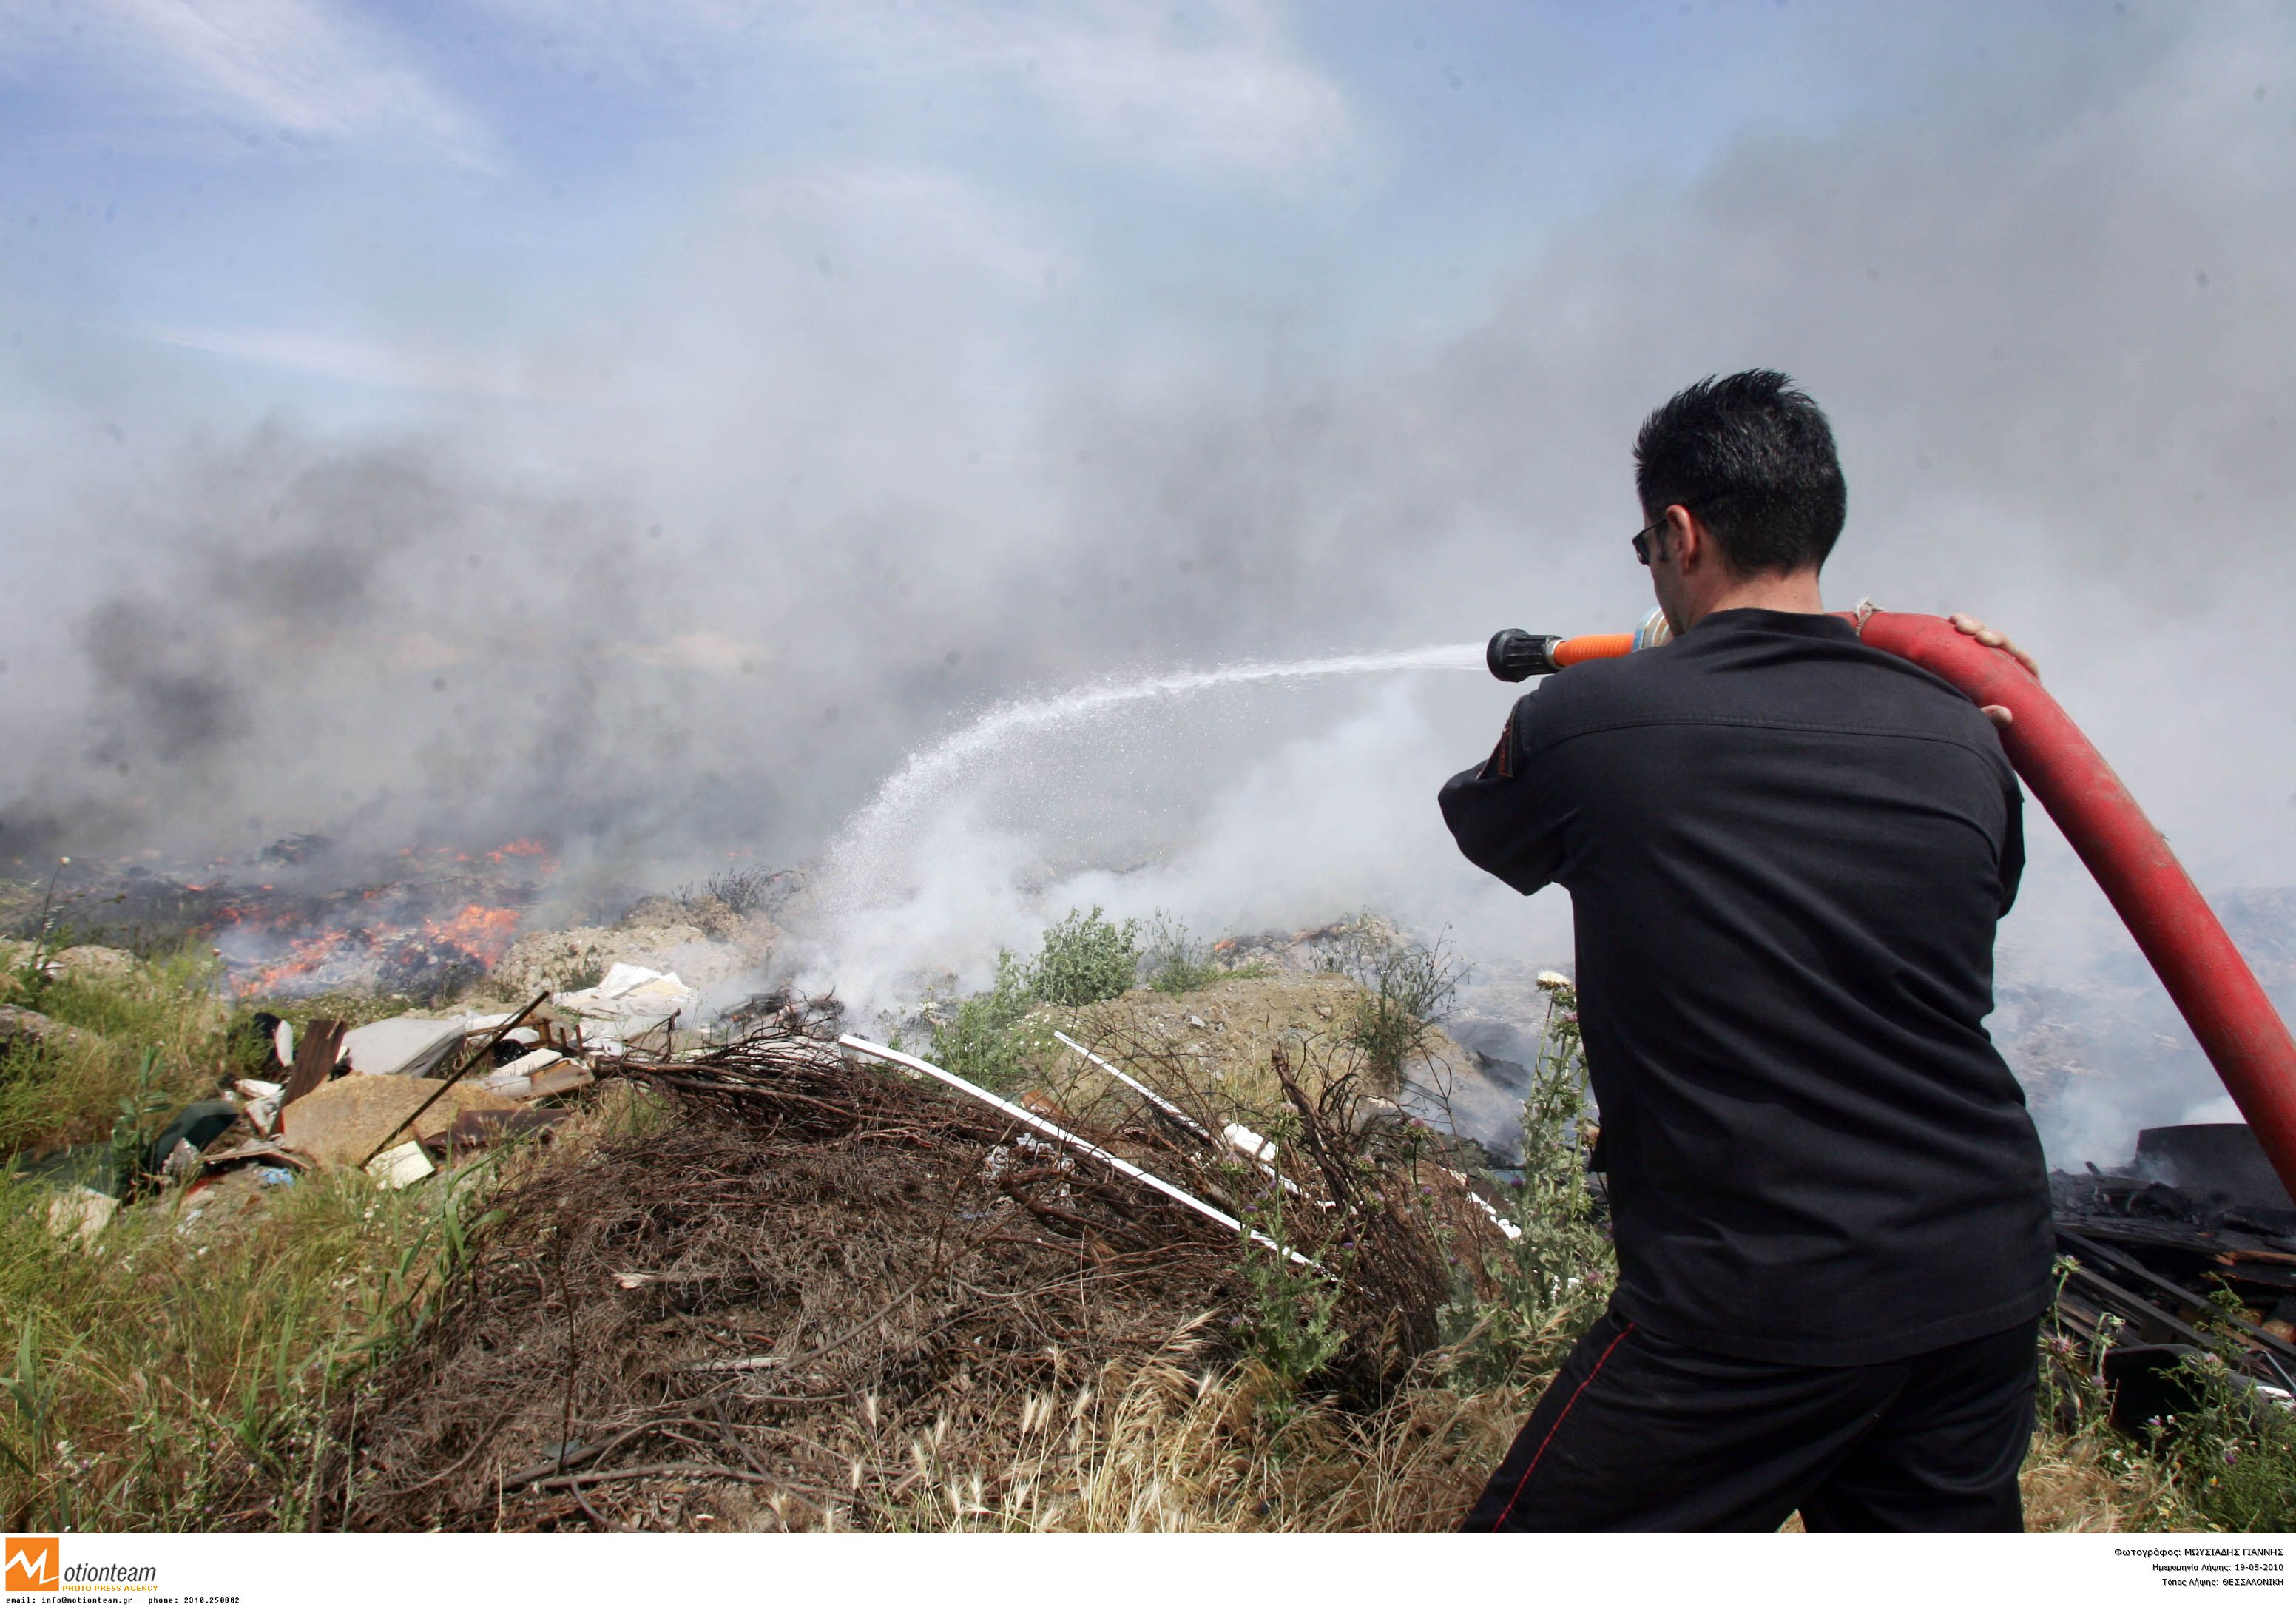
(1638, 1432)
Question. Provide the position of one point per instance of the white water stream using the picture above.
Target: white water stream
(863, 862)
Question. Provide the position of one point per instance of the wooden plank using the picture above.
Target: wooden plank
(315, 1059)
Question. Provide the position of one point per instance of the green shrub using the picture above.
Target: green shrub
(979, 1043)
(1086, 959)
(1083, 959)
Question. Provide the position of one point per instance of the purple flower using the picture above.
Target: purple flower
(2231, 1455)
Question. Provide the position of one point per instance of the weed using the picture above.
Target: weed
(1407, 987)
(979, 1041)
(1552, 1279)
(138, 1126)
(69, 1091)
(1086, 959)
(1174, 962)
(2234, 1452)
(1291, 1325)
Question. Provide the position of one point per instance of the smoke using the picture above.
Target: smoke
(851, 451)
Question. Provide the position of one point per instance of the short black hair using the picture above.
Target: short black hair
(1753, 457)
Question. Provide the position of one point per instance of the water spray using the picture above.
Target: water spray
(858, 859)
(2226, 1008)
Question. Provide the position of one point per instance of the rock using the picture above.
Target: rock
(80, 1214)
(21, 1025)
(89, 962)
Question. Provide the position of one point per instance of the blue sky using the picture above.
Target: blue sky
(319, 200)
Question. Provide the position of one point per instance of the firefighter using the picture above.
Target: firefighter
(1786, 853)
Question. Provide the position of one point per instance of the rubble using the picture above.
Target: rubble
(402, 1046)
(633, 998)
(570, 960)
(397, 1167)
(263, 1100)
(2161, 1270)
(341, 1123)
(315, 1059)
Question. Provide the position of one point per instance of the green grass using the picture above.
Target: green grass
(166, 1015)
(175, 1376)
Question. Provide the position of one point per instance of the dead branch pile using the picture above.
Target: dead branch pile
(818, 1286)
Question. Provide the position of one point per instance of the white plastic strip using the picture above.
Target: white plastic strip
(1139, 1087)
(1062, 1136)
(1180, 1116)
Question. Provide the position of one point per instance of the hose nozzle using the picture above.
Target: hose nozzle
(1517, 655)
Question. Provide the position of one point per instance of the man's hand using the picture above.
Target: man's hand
(1986, 635)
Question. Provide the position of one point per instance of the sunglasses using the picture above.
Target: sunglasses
(1644, 546)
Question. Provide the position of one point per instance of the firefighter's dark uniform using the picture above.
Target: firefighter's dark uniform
(1786, 853)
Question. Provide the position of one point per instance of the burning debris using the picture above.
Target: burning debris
(431, 931)
(2189, 1249)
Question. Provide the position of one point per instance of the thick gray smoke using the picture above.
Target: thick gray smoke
(853, 456)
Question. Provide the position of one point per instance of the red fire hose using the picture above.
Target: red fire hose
(2242, 1034)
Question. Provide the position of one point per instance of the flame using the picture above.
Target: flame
(478, 931)
(305, 954)
(400, 934)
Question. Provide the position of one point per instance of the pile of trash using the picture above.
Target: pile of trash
(399, 1097)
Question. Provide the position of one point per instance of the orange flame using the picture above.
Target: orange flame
(478, 931)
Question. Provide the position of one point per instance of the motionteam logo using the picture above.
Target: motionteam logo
(33, 1563)
(30, 1563)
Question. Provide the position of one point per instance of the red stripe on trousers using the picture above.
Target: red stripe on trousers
(1551, 1432)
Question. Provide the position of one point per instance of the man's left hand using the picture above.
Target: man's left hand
(1969, 626)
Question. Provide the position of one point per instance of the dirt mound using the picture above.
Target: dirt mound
(1219, 1041)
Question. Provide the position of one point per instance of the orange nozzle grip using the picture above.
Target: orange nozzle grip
(1578, 650)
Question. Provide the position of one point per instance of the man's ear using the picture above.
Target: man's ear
(1686, 534)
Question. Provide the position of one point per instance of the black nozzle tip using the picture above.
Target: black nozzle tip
(1517, 655)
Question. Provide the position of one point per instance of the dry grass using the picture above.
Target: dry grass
(2093, 1482)
(173, 1375)
(1158, 1446)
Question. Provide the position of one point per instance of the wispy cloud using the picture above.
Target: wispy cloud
(306, 68)
(338, 357)
(1219, 90)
